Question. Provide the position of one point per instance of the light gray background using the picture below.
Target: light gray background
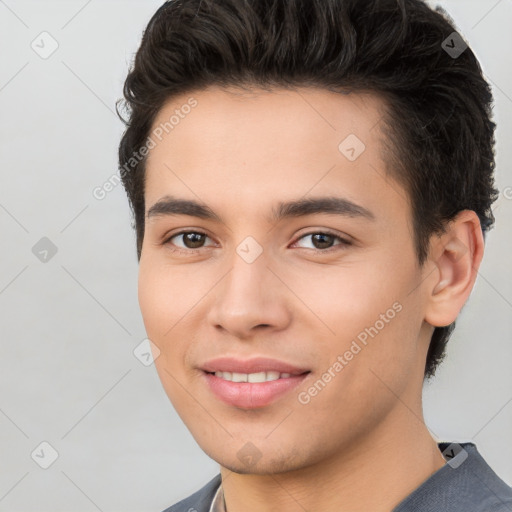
(68, 375)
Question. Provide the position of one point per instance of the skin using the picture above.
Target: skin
(361, 443)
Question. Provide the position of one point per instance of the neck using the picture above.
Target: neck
(375, 473)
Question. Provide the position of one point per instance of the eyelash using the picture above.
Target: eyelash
(190, 252)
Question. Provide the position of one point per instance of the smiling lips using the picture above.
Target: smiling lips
(253, 383)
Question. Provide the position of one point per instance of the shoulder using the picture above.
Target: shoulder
(466, 483)
(199, 501)
(477, 486)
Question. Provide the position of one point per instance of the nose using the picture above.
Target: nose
(251, 297)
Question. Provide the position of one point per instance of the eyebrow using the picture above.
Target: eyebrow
(169, 205)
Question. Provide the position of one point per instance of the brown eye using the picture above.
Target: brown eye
(193, 240)
(323, 242)
(189, 240)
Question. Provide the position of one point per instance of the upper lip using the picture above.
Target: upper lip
(255, 365)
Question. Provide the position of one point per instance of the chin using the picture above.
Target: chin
(270, 468)
(250, 461)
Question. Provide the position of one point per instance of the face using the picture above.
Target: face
(268, 270)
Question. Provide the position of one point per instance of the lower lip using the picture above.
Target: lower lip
(251, 395)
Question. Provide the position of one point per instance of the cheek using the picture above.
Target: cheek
(369, 316)
(163, 290)
(161, 303)
(374, 372)
(169, 300)
(161, 300)
(152, 299)
(346, 299)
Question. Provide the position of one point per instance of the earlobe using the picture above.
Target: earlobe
(457, 254)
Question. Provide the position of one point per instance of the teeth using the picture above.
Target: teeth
(252, 377)
(272, 375)
(239, 377)
(258, 377)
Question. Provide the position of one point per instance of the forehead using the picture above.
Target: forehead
(252, 146)
(276, 118)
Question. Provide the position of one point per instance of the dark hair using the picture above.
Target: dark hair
(438, 105)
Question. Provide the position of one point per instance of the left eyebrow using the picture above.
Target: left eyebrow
(332, 204)
(169, 205)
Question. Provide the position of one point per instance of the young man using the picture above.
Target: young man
(311, 181)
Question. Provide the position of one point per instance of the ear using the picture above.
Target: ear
(457, 254)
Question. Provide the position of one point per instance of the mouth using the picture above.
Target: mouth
(255, 365)
(251, 383)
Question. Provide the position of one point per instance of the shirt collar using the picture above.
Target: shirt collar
(218, 504)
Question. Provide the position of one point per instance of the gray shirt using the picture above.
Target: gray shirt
(466, 483)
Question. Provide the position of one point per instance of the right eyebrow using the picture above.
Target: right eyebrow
(173, 206)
